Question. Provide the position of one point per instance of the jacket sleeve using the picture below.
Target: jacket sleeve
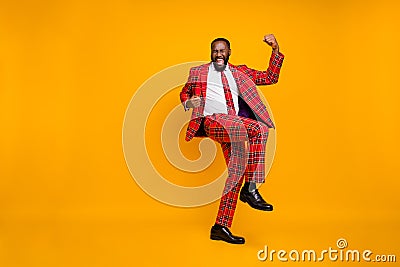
(269, 76)
(187, 90)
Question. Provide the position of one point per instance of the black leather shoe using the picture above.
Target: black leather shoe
(255, 200)
(219, 232)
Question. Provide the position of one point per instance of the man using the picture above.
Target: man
(227, 108)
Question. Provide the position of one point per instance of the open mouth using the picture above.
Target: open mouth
(220, 61)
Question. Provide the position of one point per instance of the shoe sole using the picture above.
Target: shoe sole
(243, 199)
(220, 239)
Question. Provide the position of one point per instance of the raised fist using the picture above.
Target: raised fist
(271, 41)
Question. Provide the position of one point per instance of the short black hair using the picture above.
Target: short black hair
(223, 40)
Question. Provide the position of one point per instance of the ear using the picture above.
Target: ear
(229, 52)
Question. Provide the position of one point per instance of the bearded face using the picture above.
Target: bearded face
(220, 53)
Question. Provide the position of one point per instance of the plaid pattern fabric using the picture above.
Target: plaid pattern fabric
(227, 204)
(228, 95)
(232, 132)
(246, 80)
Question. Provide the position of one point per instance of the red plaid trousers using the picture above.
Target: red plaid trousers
(248, 163)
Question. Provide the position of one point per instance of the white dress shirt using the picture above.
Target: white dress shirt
(215, 96)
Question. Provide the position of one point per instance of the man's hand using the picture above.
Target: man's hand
(193, 102)
(271, 41)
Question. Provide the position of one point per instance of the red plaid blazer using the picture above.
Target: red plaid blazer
(246, 80)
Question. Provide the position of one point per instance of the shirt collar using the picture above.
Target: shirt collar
(213, 67)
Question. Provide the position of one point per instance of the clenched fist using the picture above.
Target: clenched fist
(193, 102)
(271, 41)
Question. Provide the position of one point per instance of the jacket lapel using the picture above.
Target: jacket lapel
(203, 79)
(248, 92)
(200, 89)
(240, 80)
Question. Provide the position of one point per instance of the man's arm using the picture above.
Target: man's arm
(271, 75)
(187, 96)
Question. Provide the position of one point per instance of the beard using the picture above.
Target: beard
(217, 65)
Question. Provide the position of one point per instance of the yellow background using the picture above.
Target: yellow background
(68, 70)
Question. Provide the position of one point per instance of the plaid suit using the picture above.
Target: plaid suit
(232, 131)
